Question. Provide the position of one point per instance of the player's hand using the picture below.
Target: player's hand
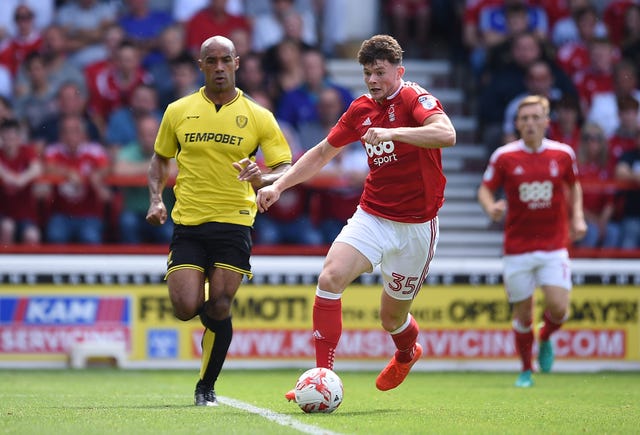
(376, 136)
(267, 196)
(157, 213)
(497, 210)
(578, 229)
(248, 170)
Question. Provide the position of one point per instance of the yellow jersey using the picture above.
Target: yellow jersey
(205, 140)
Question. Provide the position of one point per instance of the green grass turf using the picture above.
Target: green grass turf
(110, 401)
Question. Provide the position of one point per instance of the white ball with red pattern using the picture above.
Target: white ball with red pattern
(319, 390)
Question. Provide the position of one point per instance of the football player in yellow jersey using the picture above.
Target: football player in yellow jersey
(213, 134)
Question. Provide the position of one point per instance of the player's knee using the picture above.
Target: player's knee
(218, 308)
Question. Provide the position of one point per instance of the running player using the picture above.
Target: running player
(402, 128)
(213, 134)
(535, 173)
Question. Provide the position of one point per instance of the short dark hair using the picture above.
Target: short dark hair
(9, 123)
(380, 47)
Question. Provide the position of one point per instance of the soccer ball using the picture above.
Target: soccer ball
(319, 390)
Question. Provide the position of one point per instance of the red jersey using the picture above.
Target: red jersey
(594, 195)
(19, 203)
(618, 145)
(405, 182)
(78, 199)
(534, 184)
(204, 24)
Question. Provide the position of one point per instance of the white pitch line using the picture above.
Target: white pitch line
(281, 419)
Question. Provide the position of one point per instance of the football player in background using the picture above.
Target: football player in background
(535, 174)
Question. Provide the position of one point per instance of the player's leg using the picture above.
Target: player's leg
(519, 282)
(343, 264)
(555, 277)
(404, 269)
(523, 337)
(403, 328)
(216, 317)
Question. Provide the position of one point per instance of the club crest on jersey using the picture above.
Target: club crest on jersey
(392, 113)
(553, 168)
(241, 121)
(427, 101)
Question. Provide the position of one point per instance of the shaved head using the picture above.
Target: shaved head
(219, 42)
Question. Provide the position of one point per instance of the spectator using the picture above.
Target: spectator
(70, 101)
(613, 16)
(143, 27)
(39, 103)
(409, 21)
(85, 21)
(573, 55)
(212, 20)
(631, 41)
(597, 77)
(26, 40)
(508, 81)
(598, 198)
(604, 107)
(290, 222)
(624, 137)
(185, 80)
(172, 46)
(270, 28)
(78, 203)
(628, 171)
(121, 127)
(43, 19)
(472, 39)
(565, 126)
(567, 29)
(299, 105)
(337, 188)
(20, 166)
(514, 16)
(116, 82)
(287, 73)
(133, 160)
(252, 78)
(539, 80)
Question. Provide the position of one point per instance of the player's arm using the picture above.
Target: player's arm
(578, 227)
(305, 168)
(437, 131)
(248, 170)
(156, 180)
(487, 199)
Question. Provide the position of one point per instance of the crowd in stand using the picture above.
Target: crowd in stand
(583, 56)
(83, 85)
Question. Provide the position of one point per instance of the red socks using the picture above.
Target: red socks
(524, 344)
(549, 326)
(327, 328)
(405, 341)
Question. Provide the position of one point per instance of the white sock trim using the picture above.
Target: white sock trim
(327, 295)
(517, 326)
(404, 326)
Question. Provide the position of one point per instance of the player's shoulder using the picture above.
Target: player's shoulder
(507, 149)
(558, 147)
(185, 102)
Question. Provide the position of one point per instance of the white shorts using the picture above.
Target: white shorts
(524, 272)
(402, 250)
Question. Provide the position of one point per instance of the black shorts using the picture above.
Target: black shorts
(209, 245)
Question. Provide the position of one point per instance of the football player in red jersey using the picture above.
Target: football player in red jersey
(535, 172)
(402, 128)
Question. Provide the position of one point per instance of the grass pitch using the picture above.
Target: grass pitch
(111, 401)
